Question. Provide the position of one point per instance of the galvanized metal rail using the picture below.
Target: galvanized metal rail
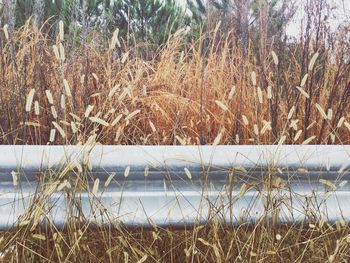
(175, 185)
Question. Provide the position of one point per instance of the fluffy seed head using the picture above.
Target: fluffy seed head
(115, 40)
(56, 52)
(274, 57)
(188, 173)
(36, 108)
(313, 60)
(297, 135)
(6, 32)
(266, 127)
(340, 122)
(232, 92)
(152, 126)
(52, 135)
(320, 109)
(29, 100)
(67, 88)
(303, 92)
(245, 120)
(291, 112)
(256, 129)
(308, 140)
(54, 112)
(116, 120)
(99, 121)
(253, 78)
(88, 110)
(127, 171)
(221, 105)
(109, 179)
(63, 101)
(49, 96)
(61, 30)
(62, 52)
(303, 81)
(59, 128)
(96, 185)
(133, 114)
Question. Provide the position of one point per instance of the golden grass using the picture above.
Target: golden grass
(209, 243)
(51, 93)
(177, 97)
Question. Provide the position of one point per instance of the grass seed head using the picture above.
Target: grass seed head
(232, 92)
(95, 188)
(61, 30)
(308, 140)
(320, 109)
(49, 96)
(304, 79)
(88, 110)
(188, 173)
(6, 32)
(67, 88)
(59, 128)
(313, 60)
(274, 57)
(245, 120)
(29, 100)
(291, 112)
(54, 112)
(297, 135)
(303, 92)
(340, 122)
(99, 121)
(56, 52)
(253, 78)
(36, 108)
(127, 171)
(52, 135)
(221, 105)
(62, 52)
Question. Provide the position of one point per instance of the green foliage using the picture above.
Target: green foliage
(146, 20)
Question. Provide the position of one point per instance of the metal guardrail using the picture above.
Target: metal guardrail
(175, 185)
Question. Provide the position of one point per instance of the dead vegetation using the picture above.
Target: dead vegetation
(52, 93)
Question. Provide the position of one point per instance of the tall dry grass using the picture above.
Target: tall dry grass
(180, 96)
(52, 93)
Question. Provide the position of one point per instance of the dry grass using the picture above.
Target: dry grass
(80, 240)
(177, 97)
(54, 94)
(210, 243)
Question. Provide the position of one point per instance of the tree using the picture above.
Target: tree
(38, 10)
(147, 20)
(244, 16)
(8, 16)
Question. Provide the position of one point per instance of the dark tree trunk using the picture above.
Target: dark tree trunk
(38, 12)
(9, 17)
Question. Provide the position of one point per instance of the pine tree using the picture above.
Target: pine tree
(147, 20)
